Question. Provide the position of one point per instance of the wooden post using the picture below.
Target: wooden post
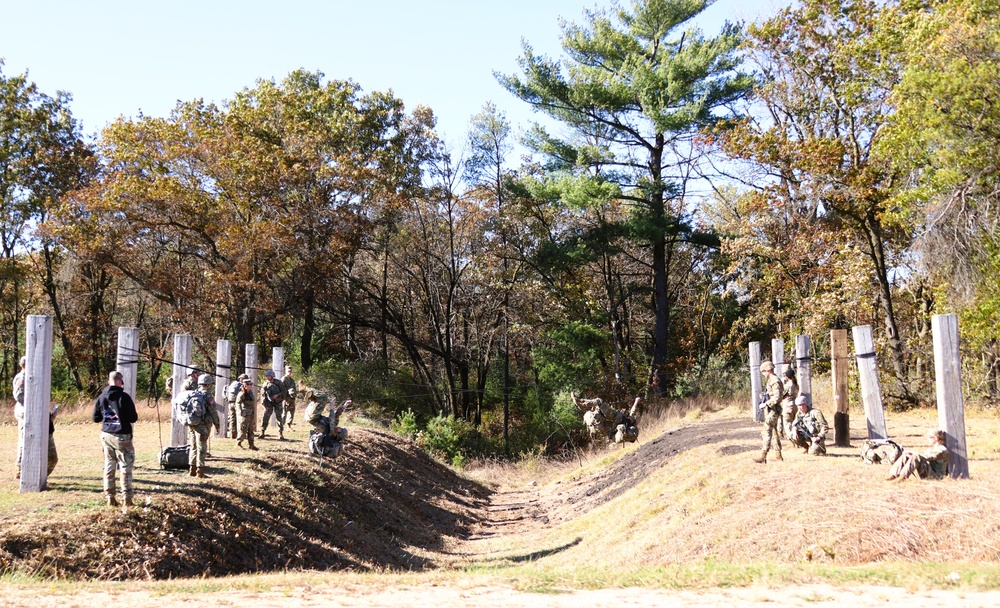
(755, 413)
(778, 357)
(948, 380)
(278, 361)
(252, 368)
(223, 365)
(128, 357)
(37, 396)
(803, 362)
(871, 391)
(839, 369)
(182, 367)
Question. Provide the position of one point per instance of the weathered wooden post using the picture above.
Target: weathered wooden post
(223, 365)
(278, 361)
(252, 368)
(839, 370)
(182, 367)
(871, 391)
(128, 357)
(756, 413)
(778, 357)
(37, 396)
(803, 362)
(948, 380)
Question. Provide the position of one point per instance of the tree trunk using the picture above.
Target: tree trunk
(308, 329)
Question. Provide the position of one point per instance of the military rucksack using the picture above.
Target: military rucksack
(233, 390)
(326, 443)
(192, 407)
(880, 451)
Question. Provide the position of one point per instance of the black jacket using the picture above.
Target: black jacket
(116, 410)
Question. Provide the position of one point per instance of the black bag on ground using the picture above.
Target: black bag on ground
(175, 457)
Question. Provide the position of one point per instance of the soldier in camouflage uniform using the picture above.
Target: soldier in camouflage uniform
(321, 424)
(272, 398)
(288, 385)
(809, 429)
(18, 388)
(246, 408)
(233, 402)
(198, 433)
(772, 413)
(932, 464)
(788, 410)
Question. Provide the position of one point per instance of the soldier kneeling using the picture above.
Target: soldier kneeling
(809, 428)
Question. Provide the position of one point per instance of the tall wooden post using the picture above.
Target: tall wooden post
(871, 391)
(803, 362)
(278, 361)
(223, 367)
(948, 380)
(182, 367)
(128, 357)
(252, 368)
(839, 369)
(778, 357)
(37, 396)
(755, 385)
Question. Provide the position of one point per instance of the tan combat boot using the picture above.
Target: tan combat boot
(193, 471)
(201, 472)
(777, 455)
(762, 458)
(128, 501)
(111, 500)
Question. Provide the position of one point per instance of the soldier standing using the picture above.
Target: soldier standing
(288, 385)
(198, 432)
(772, 413)
(272, 400)
(232, 398)
(19, 412)
(246, 407)
(788, 410)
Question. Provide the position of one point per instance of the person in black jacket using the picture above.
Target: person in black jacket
(116, 411)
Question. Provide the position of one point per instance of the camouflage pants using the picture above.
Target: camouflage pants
(247, 416)
(788, 412)
(232, 431)
(277, 409)
(198, 440)
(770, 433)
(289, 410)
(53, 455)
(800, 438)
(118, 451)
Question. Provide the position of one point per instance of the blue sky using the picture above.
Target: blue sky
(120, 58)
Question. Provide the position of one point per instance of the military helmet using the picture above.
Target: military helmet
(269, 373)
(767, 366)
(204, 380)
(243, 377)
(802, 400)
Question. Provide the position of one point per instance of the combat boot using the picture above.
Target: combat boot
(239, 444)
(777, 455)
(201, 472)
(193, 471)
(111, 500)
(762, 458)
(253, 447)
(128, 501)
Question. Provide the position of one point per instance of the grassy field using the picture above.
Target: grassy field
(705, 517)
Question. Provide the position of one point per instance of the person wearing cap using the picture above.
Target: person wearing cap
(271, 397)
(772, 413)
(809, 428)
(232, 398)
(198, 433)
(115, 410)
(288, 386)
(190, 383)
(246, 408)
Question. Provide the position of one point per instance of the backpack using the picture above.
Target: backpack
(176, 457)
(233, 390)
(191, 408)
(325, 443)
(880, 451)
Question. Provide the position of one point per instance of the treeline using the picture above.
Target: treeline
(833, 166)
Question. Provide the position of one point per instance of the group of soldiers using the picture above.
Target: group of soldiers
(606, 422)
(789, 415)
(277, 398)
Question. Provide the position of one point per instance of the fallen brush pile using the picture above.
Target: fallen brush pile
(382, 504)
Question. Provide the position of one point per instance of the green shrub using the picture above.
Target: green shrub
(405, 424)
